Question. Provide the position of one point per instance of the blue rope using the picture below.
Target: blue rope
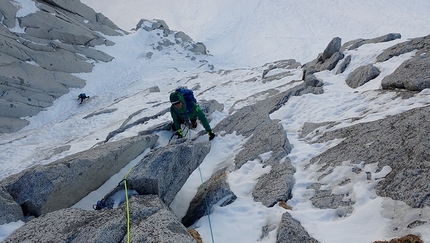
(207, 207)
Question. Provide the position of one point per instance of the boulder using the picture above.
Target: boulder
(362, 75)
(46, 188)
(199, 48)
(277, 185)
(150, 221)
(344, 65)
(291, 231)
(412, 75)
(164, 171)
(332, 48)
(326, 60)
(10, 211)
(213, 191)
(313, 81)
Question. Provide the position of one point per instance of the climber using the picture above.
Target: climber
(82, 97)
(187, 112)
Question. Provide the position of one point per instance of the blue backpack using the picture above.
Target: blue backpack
(188, 96)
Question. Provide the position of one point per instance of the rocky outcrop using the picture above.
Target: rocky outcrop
(181, 38)
(280, 69)
(38, 56)
(151, 221)
(397, 142)
(213, 191)
(291, 231)
(421, 45)
(412, 74)
(164, 171)
(46, 188)
(267, 136)
(10, 211)
(354, 44)
(344, 65)
(332, 48)
(362, 75)
(326, 60)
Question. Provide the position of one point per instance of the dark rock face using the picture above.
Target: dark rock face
(60, 40)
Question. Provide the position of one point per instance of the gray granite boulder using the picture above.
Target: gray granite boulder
(344, 65)
(150, 221)
(10, 211)
(291, 231)
(46, 188)
(412, 74)
(326, 60)
(362, 75)
(164, 171)
(332, 48)
(213, 191)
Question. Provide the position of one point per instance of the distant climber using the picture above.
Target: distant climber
(187, 112)
(82, 96)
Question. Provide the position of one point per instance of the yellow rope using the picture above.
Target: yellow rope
(126, 203)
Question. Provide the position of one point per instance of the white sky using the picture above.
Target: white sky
(230, 31)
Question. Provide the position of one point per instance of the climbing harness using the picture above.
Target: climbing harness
(99, 205)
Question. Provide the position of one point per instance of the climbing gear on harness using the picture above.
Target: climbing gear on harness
(99, 205)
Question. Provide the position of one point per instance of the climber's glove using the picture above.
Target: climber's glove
(211, 135)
